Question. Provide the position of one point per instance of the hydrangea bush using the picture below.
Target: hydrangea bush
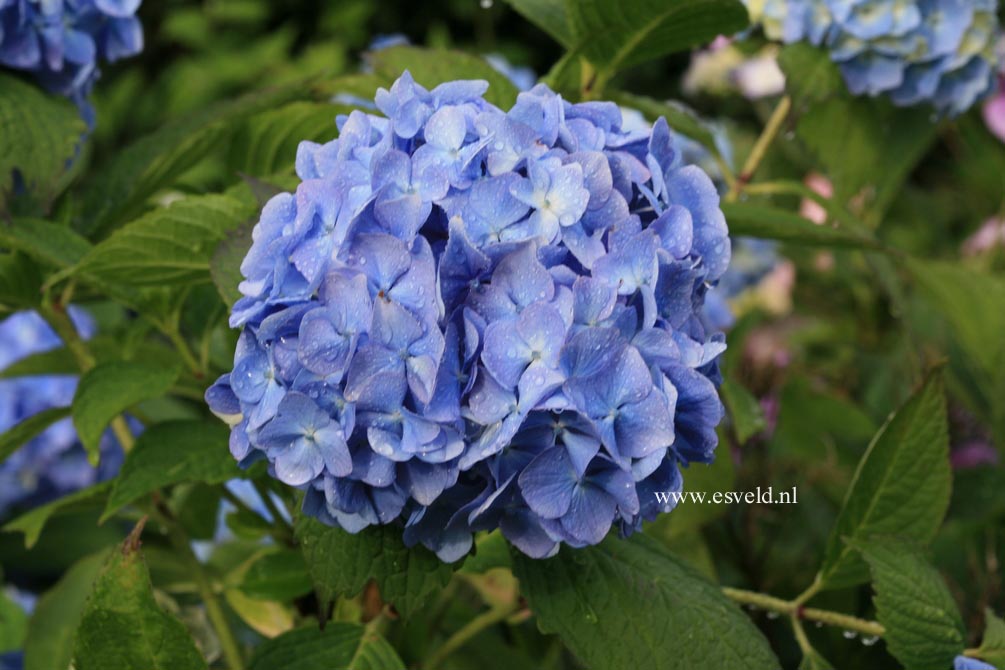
(62, 42)
(467, 319)
(53, 463)
(411, 331)
(939, 52)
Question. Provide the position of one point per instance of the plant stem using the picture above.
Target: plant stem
(794, 608)
(473, 627)
(277, 516)
(184, 351)
(228, 643)
(771, 129)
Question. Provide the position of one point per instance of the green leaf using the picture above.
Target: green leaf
(122, 626)
(616, 35)
(107, 390)
(341, 564)
(173, 452)
(40, 135)
(172, 245)
(15, 437)
(266, 144)
(53, 626)
(13, 624)
(902, 484)
(20, 281)
(548, 15)
(863, 142)
(50, 243)
(431, 67)
(810, 75)
(812, 660)
(340, 646)
(122, 188)
(744, 411)
(276, 574)
(972, 303)
(32, 522)
(225, 266)
(924, 630)
(992, 647)
(631, 604)
(756, 220)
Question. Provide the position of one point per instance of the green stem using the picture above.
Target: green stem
(768, 135)
(794, 608)
(462, 636)
(184, 351)
(277, 516)
(214, 610)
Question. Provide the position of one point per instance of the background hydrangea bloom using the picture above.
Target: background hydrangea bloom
(54, 462)
(467, 319)
(62, 41)
(940, 52)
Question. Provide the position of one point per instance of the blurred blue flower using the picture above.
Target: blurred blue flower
(467, 319)
(53, 463)
(939, 52)
(964, 663)
(62, 42)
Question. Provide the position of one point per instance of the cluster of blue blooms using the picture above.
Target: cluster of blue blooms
(62, 41)
(915, 51)
(467, 319)
(53, 463)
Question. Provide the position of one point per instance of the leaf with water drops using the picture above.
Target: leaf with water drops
(924, 629)
(632, 604)
(172, 245)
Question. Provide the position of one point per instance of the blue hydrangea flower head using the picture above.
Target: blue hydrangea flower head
(62, 42)
(53, 463)
(938, 52)
(466, 318)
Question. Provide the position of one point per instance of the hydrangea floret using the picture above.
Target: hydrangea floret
(939, 52)
(62, 42)
(467, 319)
(53, 463)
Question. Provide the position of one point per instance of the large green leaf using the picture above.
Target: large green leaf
(924, 630)
(631, 604)
(50, 243)
(107, 390)
(756, 220)
(32, 522)
(992, 647)
(53, 625)
(266, 144)
(20, 279)
(340, 646)
(171, 245)
(810, 75)
(866, 145)
(431, 67)
(38, 138)
(173, 452)
(972, 303)
(902, 485)
(122, 626)
(276, 573)
(12, 439)
(154, 162)
(548, 15)
(616, 35)
(13, 624)
(341, 564)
